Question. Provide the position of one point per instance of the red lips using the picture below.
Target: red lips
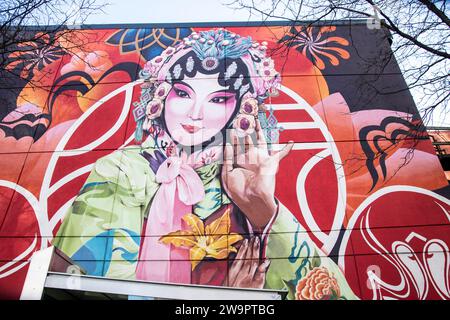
(190, 129)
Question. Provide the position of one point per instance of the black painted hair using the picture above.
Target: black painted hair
(241, 71)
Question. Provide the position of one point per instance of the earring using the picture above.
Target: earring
(245, 121)
(154, 109)
(162, 90)
(249, 106)
(155, 106)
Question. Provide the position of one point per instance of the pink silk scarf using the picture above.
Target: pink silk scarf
(180, 188)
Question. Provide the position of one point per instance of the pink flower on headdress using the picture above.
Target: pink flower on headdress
(154, 109)
(151, 68)
(168, 52)
(244, 124)
(249, 106)
(162, 90)
(179, 46)
(257, 53)
(267, 73)
(155, 65)
(267, 63)
(273, 84)
(268, 79)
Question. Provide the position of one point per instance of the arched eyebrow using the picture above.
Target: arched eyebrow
(223, 91)
(183, 83)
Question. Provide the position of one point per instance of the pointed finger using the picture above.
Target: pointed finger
(242, 250)
(246, 143)
(228, 157)
(235, 142)
(248, 257)
(285, 151)
(255, 257)
(256, 246)
(249, 145)
(262, 268)
(260, 275)
(260, 136)
(249, 254)
(238, 261)
(250, 153)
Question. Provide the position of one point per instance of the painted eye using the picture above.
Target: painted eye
(219, 99)
(181, 93)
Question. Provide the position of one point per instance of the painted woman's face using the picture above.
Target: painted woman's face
(196, 109)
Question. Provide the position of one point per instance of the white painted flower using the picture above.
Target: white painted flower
(158, 61)
(249, 106)
(150, 68)
(267, 63)
(168, 52)
(244, 124)
(154, 109)
(162, 90)
(267, 74)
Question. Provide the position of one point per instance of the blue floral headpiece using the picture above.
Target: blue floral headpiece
(219, 44)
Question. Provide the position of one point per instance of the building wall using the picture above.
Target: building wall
(359, 201)
(440, 139)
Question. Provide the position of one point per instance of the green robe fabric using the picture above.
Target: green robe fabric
(108, 215)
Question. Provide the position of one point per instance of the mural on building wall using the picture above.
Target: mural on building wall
(227, 157)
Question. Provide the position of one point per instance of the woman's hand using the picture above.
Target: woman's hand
(248, 177)
(246, 270)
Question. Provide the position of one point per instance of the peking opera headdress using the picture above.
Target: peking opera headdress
(214, 51)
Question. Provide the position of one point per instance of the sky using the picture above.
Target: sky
(142, 11)
(178, 11)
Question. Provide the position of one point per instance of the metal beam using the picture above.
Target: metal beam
(36, 275)
(437, 128)
(441, 143)
(156, 289)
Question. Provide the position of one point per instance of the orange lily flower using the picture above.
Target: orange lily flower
(214, 241)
